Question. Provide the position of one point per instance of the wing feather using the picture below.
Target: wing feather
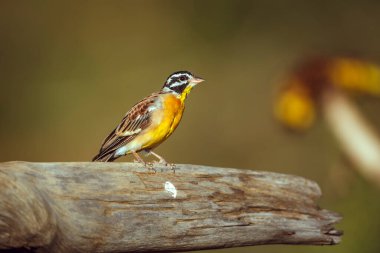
(135, 120)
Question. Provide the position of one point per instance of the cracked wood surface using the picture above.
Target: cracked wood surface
(122, 207)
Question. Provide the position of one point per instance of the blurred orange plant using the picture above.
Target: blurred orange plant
(295, 105)
(321, 84)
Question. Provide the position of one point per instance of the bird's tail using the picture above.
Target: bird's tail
(104, 157)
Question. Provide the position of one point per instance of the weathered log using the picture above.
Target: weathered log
(123, 207)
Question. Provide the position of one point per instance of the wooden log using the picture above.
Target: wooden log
(123, 207)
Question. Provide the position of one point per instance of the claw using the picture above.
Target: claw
(150, 167)
(163, 162)
(172, 167)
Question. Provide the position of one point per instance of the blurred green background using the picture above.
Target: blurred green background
(69, 70)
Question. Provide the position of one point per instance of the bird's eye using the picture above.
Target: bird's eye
(182, 78)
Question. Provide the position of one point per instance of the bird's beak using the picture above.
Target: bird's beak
(196, 80)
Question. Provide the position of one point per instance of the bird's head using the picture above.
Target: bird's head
(181, 82)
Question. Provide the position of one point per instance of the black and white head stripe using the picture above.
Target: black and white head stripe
(178, 81)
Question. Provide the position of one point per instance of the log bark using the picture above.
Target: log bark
(124, 207)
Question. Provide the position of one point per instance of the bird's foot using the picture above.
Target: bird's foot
(150, 167)
(147, 165)
(172, 166)
(163, 162)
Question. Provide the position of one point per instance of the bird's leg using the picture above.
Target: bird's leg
(162, 160)
(140, 160)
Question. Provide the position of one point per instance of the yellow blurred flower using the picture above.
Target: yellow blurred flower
(355, 75)
(295, 108)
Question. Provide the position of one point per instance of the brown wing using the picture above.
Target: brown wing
(135, 121)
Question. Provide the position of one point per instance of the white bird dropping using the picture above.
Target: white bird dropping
(169, 187)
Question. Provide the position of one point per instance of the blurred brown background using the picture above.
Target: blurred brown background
(69, 70)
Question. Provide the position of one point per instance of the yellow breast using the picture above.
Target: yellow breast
(164, 121)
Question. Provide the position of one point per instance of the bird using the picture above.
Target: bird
(149, 122)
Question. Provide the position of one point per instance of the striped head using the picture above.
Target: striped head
(181, 82)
